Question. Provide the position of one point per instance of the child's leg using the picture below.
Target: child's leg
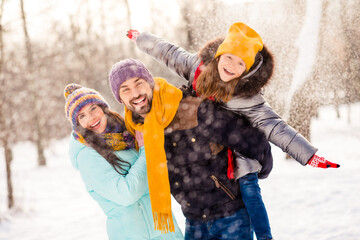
(251, 195)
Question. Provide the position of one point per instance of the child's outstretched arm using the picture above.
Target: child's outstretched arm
(180, 61)
(276, 130)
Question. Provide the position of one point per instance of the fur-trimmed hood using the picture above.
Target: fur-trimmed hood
(250, 85)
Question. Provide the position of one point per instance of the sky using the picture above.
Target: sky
(302, 202)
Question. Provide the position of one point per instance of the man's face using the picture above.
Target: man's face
(136, 93)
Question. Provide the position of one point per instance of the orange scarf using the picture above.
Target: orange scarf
(165, 102)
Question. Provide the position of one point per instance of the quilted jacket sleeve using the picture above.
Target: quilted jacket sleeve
(102, 178)
(180, 61)
(262, 116)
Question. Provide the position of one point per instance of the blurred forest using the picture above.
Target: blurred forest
(45, 45)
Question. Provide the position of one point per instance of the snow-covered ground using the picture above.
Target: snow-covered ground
(302, 202)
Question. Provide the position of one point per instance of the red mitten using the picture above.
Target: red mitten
(321, 162)
(133, 34)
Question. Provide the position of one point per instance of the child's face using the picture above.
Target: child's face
(230, 66)
(92, 117)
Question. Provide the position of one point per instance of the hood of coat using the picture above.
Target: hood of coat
(248, 86)
(75, 147)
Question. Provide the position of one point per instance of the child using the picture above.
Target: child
(233, 71)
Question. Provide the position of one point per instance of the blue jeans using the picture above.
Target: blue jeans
(251, 195)
(236, 226)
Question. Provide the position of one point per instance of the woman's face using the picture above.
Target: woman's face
(92, 117)
(230, 66)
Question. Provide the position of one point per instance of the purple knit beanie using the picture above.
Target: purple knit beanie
(124, 70)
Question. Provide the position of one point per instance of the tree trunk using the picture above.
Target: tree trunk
(8, 159)
(186, 14)
(3, 129)
(131, 46)
(33, 91)
(304, 99)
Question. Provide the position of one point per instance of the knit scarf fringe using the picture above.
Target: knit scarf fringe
(163, 222)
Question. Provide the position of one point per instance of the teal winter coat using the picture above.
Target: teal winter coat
(125, 200)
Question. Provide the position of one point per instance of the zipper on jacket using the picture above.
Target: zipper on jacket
(219, 184)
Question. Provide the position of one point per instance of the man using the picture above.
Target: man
(184, 138)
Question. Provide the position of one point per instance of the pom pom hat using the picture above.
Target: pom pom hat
(126, 69)
(243, 42)
(78, 97)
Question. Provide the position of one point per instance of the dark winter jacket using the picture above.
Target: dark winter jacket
(255, 108)
(197, 165)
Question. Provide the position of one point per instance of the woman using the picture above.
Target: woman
(114, 173)
(233, 71)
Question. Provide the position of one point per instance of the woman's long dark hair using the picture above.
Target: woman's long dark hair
(101, 146)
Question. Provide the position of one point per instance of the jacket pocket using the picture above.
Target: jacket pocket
(219, 184)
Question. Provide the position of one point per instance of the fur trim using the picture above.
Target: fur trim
(246, 87)
(208, 51)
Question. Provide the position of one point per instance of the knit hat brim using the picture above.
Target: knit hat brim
(78, 97)
(127, 69)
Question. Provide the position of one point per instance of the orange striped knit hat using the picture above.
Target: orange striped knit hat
(78, 97)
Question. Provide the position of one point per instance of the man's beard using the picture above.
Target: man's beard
(143, 109)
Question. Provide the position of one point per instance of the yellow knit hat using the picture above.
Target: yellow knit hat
(243, 42)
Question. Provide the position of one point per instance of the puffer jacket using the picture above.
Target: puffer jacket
(255, 108)
(125, 200)
(197, 160)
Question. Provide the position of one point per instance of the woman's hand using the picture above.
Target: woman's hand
(139, 138)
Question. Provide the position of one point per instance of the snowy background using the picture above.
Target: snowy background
(302, 202)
